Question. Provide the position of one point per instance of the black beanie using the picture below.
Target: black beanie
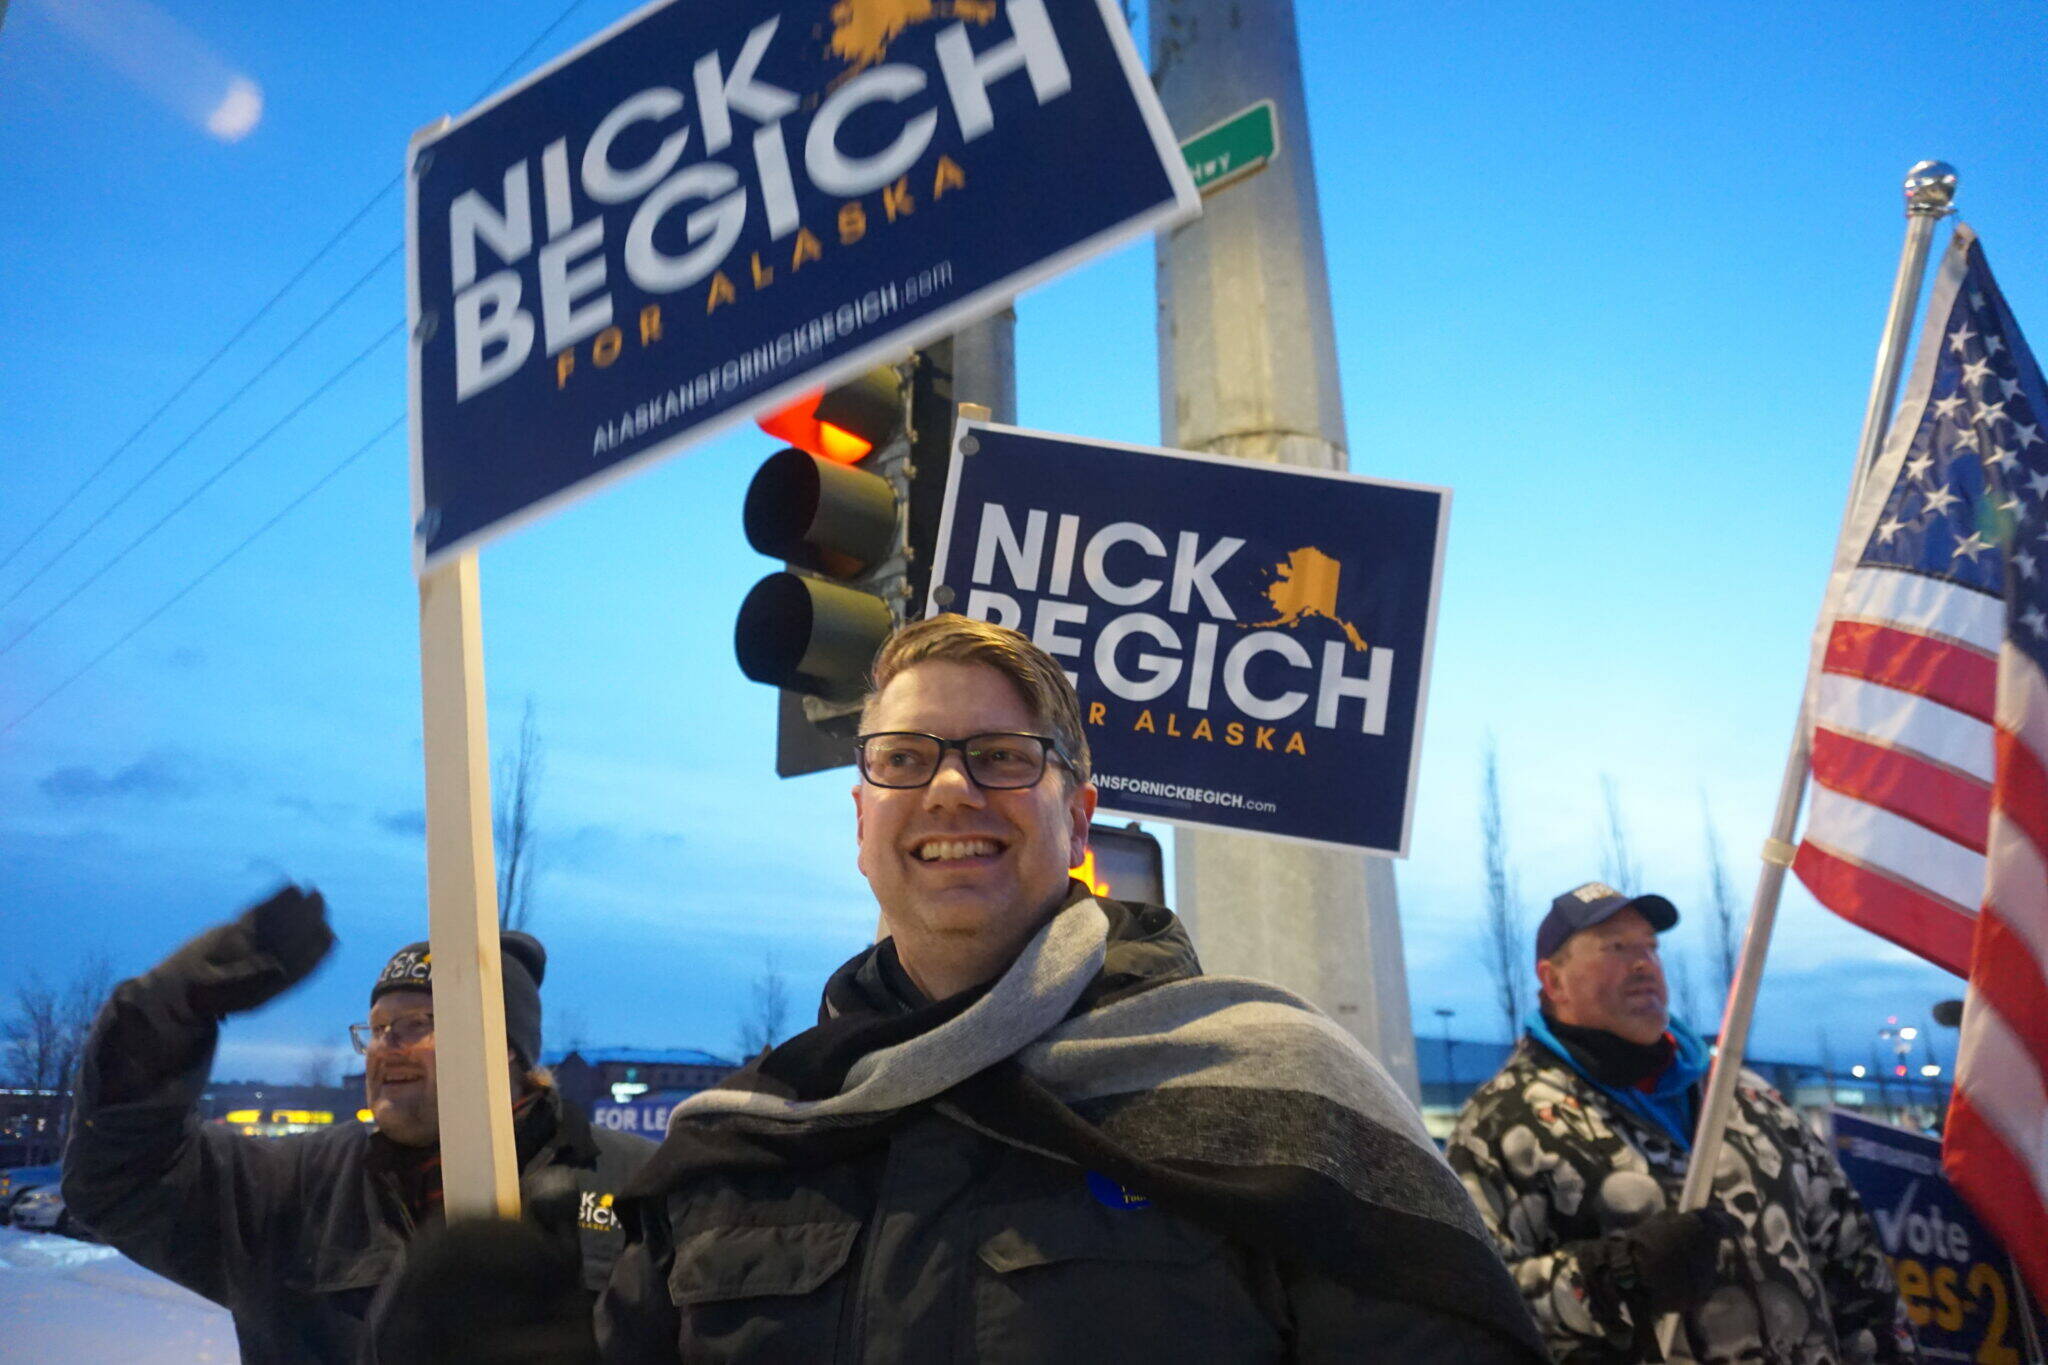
(523, 961)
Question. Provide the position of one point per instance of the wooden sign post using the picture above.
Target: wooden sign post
(480, 1168)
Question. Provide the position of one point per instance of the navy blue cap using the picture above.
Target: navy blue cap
(1582, 907)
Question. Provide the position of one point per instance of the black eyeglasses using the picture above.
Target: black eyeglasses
(398, 1033)
(996, 762)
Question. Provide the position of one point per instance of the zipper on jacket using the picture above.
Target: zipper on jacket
(860, 1268)
(849, 1315)
(394, 1198)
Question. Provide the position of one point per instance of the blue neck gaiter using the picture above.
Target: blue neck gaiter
(1667, 1102)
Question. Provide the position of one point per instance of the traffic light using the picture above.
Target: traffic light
(1124, 864)
(851, 506)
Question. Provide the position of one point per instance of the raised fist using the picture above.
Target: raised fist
(266, 951)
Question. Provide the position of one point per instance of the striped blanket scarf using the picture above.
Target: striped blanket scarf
(1230, 1102)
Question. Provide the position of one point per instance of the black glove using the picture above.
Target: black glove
(1664, 1264)
(487, 1292)
(269, 949)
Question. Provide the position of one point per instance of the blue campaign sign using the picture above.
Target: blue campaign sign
(711, 208)
(648, 1118)
(1250, 641)
(1957, 1282)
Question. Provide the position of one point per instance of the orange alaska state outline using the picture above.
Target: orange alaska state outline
(1305, 586)
(863, 29)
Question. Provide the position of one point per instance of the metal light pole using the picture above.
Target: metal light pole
(983, 358)
(1248, 367)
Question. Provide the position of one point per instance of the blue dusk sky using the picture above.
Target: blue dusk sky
(1614, 273)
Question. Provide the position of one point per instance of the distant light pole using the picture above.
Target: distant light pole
(1884, 1099)
(1948, 1014)
(1450, 1078)
(1901, 1038)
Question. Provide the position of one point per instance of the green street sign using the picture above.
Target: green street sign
(1226, 152)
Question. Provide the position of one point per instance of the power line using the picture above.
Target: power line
(208, 572)
(509, 67)
(201, 372)
(393, 330)
(193, 434)
(207, 365)
(329, 383)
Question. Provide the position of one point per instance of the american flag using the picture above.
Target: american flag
(1929, 703)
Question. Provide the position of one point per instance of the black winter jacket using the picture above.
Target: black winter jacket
(1555, 1166)
(300, 1237)
(943, 1244)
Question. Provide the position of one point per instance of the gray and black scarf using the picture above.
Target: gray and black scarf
(1232, 1103)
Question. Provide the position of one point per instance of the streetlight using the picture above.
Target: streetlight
(1450, 1080)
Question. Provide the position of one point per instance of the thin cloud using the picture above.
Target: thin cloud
(331, 813)
(410, 823)
(154, 777)
(166, 61)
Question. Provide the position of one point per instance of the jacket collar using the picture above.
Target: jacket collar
(573, 1135)
(1147, 946)
(1665, 1106)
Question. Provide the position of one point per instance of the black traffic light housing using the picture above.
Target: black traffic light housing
(1124, 863)
(857, 531)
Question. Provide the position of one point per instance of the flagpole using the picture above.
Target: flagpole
(1930, 189)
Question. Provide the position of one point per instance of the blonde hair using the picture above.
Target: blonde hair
(963, 639)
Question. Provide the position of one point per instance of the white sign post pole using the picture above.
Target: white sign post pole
(1930, 186)
(480, 1171)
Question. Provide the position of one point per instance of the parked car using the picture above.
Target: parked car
(40, 1210)
(18, 1180)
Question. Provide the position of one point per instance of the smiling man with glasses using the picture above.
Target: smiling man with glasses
(967, 840)
(1026, 1126)
(304, 1238)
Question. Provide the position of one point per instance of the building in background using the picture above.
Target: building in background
(29, 1126)
(593, 1076)
(1452, 1068)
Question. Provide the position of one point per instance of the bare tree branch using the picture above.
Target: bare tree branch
(34, 1036)
(512, 815)
(1507, 945)
(1618, 867)
(766, 1022)
(44, 1036)
(1721, 899)
(1684, 984)
(323, 1065)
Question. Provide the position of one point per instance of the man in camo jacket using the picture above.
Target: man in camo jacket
(1576, 1152)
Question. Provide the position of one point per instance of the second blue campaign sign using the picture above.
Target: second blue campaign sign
(1250, 641)
(710, 208)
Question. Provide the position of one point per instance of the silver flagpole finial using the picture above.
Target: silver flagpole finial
(1930, 189)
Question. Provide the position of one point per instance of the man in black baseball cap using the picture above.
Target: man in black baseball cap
(1577, 1151)
(304, 1237)
(399, 1074)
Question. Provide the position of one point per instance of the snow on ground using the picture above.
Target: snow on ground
(73, 1301)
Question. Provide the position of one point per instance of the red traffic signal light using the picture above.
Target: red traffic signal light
(814, 629)
(843, 425)
(852, 507)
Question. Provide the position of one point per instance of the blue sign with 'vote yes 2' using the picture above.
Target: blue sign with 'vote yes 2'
(713, 207)
(1250, 642)
(1958, 1284)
